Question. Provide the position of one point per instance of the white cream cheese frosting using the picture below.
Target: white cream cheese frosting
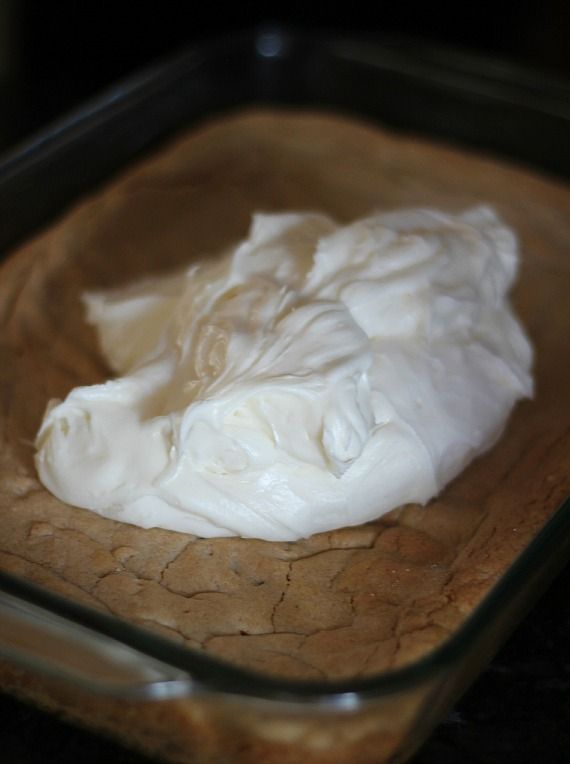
(316, 376)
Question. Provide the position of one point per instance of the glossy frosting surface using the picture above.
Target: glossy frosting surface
(313, 377)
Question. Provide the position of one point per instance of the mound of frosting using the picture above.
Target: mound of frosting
(314, 377)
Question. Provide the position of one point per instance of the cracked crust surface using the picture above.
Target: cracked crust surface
(348, 603)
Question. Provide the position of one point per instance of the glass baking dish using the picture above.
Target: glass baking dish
(188, 706)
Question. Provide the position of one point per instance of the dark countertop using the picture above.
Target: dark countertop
(517, 712)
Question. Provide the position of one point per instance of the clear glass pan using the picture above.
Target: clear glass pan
(187, 706)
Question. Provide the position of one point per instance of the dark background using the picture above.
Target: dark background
(54, 55)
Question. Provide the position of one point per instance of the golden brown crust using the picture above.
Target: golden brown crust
(348, 603)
